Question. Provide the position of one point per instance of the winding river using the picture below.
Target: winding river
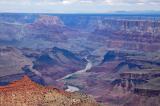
(88, 67)
(73, 88)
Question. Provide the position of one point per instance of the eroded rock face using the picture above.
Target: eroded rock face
(141, 26)
(49, 21)
(12, 61)
(24, 92)
(118, 32)
(140, 82)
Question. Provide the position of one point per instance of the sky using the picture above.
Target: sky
(77, 6)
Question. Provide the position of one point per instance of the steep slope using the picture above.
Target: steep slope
(49, 28)
(12, 61)
(24, 92)
(58, 63)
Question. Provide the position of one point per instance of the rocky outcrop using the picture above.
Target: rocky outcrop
(147, 92)
(140, 83)
(130, 25)
(129, 34)
(24, 92)
(140, 75)
(49, 21)
(151, 88)
(12, 61)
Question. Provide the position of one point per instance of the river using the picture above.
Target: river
(88, 67)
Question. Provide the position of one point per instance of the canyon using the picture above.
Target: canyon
(113, 58)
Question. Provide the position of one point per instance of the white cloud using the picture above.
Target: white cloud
(64, 6)
(86, 1)
(113, 2)
(68, 1)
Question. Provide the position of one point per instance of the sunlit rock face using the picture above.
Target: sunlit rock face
(25, 92)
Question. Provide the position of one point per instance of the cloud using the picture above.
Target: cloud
(68, 1)
(113, 2)
(131, 2)
(77, 6)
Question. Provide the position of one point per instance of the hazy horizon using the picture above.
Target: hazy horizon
(77, 6)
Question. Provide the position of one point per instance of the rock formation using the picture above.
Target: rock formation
(24, 92)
